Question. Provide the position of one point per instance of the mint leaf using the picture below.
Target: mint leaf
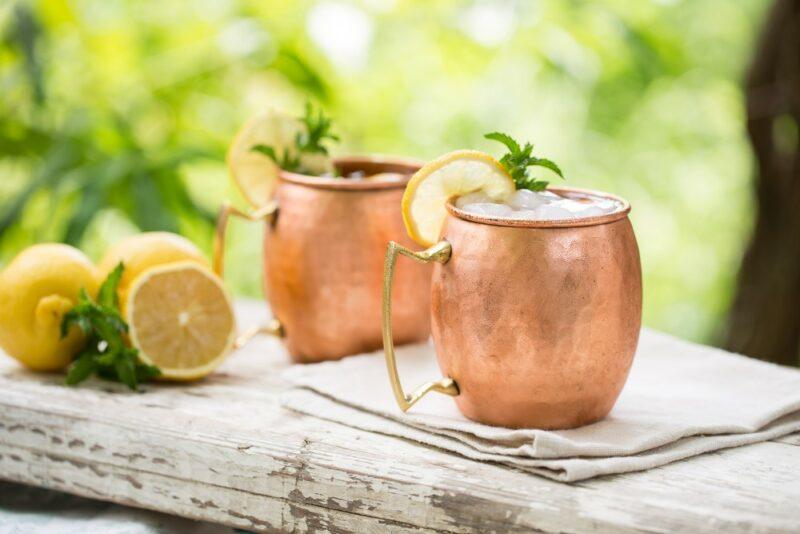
(84, 298)
(81, 369)
(75, 317)
(541, 162)
(286, 162)
(518, 160)
(267, 151)
(317, 131)
(107, 296)
(106, 353)
(506, 139)
(146, 372)
(532, 184)
(126, 370)
(311, 139)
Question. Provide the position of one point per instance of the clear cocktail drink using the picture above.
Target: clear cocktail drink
(539, 205)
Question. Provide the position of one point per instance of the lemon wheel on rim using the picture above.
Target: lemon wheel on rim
(256, 174)
(452, 175)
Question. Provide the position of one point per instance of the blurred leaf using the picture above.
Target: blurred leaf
(150, 211)
(300, 72)
(186, 204)
(17, 141)
(92, 199)
(26, 34)
(94, 183)
(50, 170)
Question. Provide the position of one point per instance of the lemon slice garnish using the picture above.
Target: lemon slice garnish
(449, 176)
(256, 174)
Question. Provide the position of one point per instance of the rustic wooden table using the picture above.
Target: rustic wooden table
(223, 450)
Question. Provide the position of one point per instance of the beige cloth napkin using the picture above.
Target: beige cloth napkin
(681, 400)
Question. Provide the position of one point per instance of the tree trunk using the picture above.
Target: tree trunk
(764, 321)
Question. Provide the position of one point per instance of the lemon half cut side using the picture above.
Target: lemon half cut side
(141, 252)
(181, 320)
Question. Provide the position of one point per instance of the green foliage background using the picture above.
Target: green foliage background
(115, 115)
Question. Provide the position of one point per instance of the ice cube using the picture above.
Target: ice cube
(525, 215)
(581, 209)
(593, 211)
(572, 206)
(553, 212)
(607, 205)
(472, 198)
(549, 195)
(488, 209)
(524, 199)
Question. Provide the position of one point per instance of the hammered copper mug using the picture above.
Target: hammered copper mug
(534, 323)
(323, 260)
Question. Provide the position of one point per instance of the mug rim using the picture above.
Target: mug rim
(561, 223)
(344, 184)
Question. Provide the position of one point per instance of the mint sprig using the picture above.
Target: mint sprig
(106, 352)
(311, 139)
(518, 160)
(286, 161)
(318, 130)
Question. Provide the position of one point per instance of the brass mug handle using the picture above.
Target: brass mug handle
(440, 253)
(266, 213)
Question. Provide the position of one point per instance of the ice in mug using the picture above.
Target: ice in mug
(538, 206)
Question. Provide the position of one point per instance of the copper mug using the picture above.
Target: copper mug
(535, 323)
(323, 260)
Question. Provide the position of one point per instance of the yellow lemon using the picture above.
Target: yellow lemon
(142, 251)
(449, 176)
(256, 174)
(181, 320)
(36, 289)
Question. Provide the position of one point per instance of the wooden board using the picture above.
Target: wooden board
(223, 450)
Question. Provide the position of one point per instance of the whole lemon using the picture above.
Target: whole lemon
(37, 288)
(143, 251)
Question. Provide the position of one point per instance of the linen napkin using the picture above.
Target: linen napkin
(681, 400)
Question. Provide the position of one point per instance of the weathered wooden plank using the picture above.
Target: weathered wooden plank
(625, 500)
(223, 450)
(297, 464)
(141, 489)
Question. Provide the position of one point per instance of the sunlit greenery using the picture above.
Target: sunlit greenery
(116, 114)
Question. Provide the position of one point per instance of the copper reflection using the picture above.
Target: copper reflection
(323, 261)
(537, 322)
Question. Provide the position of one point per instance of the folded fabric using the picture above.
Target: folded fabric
(681, 400)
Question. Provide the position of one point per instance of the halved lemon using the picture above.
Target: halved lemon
(181, 320)
(256, 174)
(141, 252)
(449, 176)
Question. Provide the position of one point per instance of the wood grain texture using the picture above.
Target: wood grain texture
(222, 450)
